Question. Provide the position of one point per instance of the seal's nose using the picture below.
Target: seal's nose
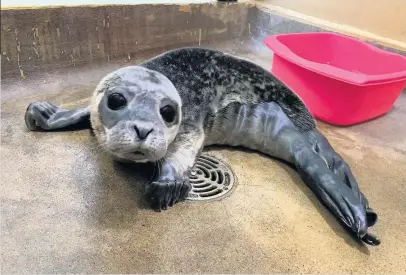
(142, 133)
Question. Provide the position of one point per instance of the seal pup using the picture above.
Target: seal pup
(168, 108)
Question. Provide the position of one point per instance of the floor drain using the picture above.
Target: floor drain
(211, 179)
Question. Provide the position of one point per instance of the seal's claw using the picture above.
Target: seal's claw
(162, 194)
(371, 239)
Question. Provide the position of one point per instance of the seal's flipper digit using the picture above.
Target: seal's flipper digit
(47, 116)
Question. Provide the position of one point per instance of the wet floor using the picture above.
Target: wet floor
(67, 207)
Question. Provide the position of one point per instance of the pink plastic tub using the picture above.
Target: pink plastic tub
(341, 80)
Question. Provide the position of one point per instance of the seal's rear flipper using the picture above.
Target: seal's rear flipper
(339, 167)
(330, 178)
(47, 116)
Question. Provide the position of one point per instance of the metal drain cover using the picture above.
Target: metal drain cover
(211, 179)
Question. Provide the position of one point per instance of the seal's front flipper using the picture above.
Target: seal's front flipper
(167, 188)
(336, 194)
(47, 116)
(171, 184)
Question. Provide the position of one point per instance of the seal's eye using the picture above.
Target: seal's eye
(116, 101)
(168, 113)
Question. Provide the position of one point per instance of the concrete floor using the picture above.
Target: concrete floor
(66, 207)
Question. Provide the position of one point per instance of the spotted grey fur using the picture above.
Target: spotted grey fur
(219, 99)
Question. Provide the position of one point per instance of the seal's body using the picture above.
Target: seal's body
(168, 108)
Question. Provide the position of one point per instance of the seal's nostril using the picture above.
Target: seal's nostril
(136, 130)
(142, 133)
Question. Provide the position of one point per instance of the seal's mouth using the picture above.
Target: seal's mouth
(137, 154)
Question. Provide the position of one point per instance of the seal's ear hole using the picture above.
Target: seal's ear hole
(116, 101)
(168, 113)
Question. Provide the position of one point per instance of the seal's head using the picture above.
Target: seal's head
(136, 113)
